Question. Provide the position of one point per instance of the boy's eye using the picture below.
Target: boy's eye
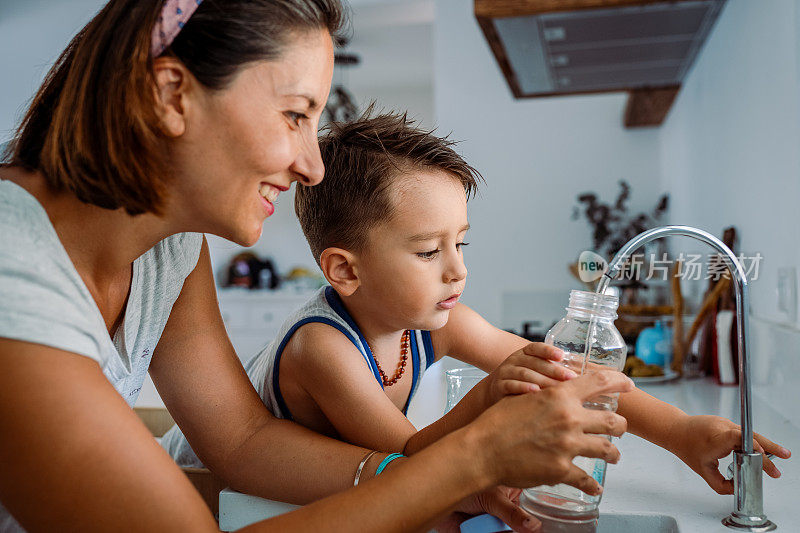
(428, 255)
(296, 117)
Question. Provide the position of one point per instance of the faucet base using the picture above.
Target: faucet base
(733, 522)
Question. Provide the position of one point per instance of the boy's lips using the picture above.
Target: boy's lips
(449, 303)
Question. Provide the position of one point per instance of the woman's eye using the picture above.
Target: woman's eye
(428, 255)
(296, 117)
(459, 245)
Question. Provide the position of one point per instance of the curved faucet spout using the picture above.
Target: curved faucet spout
(748, 514)
(742, 304)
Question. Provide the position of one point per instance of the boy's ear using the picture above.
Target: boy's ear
(340, 269)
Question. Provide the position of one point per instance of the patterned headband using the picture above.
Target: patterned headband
(174, 15)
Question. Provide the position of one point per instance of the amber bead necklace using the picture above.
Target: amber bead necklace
(401, 366)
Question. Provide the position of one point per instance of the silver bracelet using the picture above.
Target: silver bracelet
(361, 466)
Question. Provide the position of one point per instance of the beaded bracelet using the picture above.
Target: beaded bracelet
(361, 466)
(389, 458)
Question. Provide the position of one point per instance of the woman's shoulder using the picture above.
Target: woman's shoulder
(22, 219)
(44, 300)
(176, 254)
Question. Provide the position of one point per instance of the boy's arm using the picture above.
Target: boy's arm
(326, 365)
(468, 337)
(331, 370)
(513, 362)
(699, 441)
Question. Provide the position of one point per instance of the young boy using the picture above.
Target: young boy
(387, 226)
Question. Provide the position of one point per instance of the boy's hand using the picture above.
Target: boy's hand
(701, 441)
(502, 502)
(534, 367)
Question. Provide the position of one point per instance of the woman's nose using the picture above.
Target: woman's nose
(308, 166)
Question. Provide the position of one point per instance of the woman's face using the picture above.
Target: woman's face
(245, 144)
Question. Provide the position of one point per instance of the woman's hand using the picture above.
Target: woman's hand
(532, 368)
(531, 439)
(502, 502)
(701, 441)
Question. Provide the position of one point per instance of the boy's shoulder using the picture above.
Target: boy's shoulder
(319, 347)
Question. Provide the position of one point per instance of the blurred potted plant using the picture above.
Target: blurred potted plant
(613, 225)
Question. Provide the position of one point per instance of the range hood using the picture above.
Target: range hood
(560, 47)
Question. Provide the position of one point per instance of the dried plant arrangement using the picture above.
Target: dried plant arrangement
(612, 225)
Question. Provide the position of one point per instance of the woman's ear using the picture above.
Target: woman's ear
(172, 81)
(340, 268)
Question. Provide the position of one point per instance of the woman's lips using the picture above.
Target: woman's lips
(268, 193)
(267, 205)
(449, 303)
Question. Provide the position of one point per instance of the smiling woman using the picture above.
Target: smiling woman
(162, 120)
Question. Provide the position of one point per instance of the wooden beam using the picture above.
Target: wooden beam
(649, 107)
(490, 32)
(514, 8)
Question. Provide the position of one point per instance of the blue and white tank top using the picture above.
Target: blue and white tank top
(264, 369)
(326, 307)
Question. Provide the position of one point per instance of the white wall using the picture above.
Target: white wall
(537, 155)
(729, 147)
(416, 100)
(32, 35)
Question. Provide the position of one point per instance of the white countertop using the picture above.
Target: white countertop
(648, 479)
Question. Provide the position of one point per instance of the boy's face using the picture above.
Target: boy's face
(412, 268)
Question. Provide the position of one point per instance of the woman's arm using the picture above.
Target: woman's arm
(74, 452)
(207, 392)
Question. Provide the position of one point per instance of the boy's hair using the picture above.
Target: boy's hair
(362, 160)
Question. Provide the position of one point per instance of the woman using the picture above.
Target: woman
(161, 121)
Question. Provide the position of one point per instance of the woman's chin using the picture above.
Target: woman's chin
(251, 239)
(243, 236)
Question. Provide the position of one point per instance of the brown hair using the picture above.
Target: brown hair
(361, 159)
(92, 129)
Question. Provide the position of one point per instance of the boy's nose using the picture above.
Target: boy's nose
(456, 272)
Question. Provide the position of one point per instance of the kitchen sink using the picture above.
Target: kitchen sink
(607, 523)
(636, 523)
(238, 510)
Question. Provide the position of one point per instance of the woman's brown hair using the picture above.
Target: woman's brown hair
(92, 128)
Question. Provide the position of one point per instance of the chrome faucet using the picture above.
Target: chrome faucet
(748, 514)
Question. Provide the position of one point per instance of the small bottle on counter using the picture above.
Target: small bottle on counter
(590, 343)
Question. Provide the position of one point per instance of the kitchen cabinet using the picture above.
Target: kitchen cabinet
(253, 318)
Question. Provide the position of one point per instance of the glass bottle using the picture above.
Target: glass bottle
(590, 343)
